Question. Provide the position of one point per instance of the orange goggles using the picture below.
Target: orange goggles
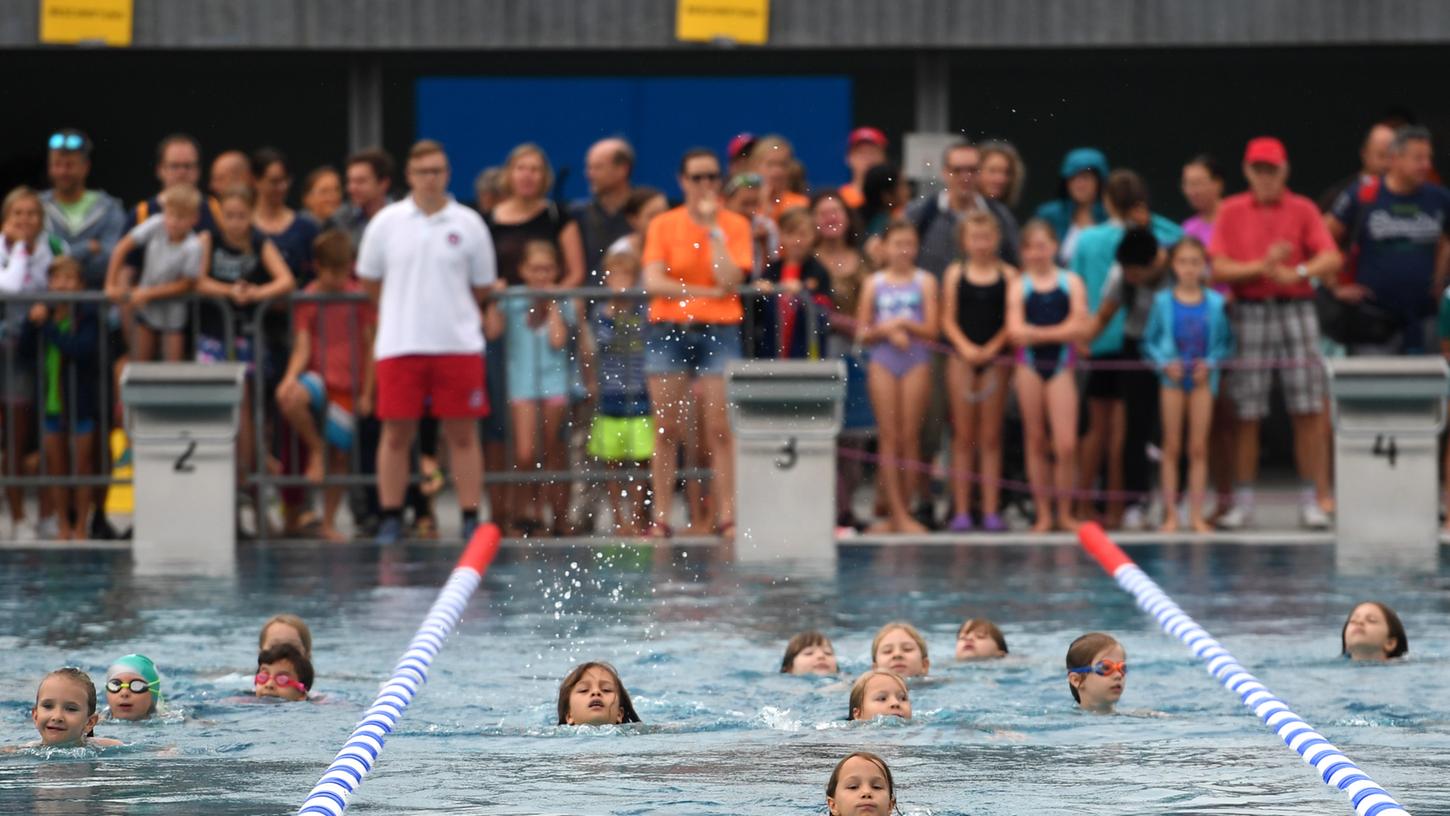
(1103, 667)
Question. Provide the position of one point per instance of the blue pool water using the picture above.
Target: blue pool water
(698, 642)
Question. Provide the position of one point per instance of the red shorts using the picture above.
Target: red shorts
(448, 386)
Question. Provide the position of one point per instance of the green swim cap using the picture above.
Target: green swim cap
(138, 664)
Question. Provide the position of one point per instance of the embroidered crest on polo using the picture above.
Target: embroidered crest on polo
(454, 238)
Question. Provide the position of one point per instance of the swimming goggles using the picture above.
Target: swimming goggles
(67, 141)
(1103, 668)
(136, 686)
(283, 680)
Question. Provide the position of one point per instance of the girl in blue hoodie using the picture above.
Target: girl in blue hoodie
(1186, 340)
(1079, 203)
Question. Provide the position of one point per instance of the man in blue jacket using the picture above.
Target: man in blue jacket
(89, 221)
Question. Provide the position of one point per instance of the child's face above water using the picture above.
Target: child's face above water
(61, 712)
(817, 659)
(885, 697)
(126, 704)
(281, 681)
(861, 790)
(279, 633)
(899, 652)
(594, 700)
(976, 644)
(1100, 692)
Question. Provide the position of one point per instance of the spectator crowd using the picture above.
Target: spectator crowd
(1042, 357)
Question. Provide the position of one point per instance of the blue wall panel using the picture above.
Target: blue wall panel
(480, 119)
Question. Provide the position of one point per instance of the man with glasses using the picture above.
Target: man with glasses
(427, 262)
(936, 217)
(695, 257)
(89, 221)
(1270, 245)
(178, 161)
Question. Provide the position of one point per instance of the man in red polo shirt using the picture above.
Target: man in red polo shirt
(1271, 245)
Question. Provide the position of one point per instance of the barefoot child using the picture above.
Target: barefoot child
(1046, 313)
(539, 372)
(974, 321)
(622, 433)
(65, 711)
(65, 338)
(1187, 339)
(897, 316)
(329, 377)
(173, 263)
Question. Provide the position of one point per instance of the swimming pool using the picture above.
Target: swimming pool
(698, 642)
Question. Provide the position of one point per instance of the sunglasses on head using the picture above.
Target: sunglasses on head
(136, 686)
(1103, 668)
(67, 141)
(283, 680)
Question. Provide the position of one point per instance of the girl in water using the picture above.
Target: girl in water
(809, 653)
(133, 688)
(980, 639)
(1046, 315)
(879, 693)
(65, 711)
(1373, 632)
(1097, 672)
(899, 647)
(591, 694)
(897, 317)
(861, 784)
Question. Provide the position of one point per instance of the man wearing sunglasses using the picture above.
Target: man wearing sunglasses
(89, 221)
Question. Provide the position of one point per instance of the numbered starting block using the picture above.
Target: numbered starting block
(1388, 415)
(182, 419)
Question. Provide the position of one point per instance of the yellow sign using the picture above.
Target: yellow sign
(741, 21)
(67, 22)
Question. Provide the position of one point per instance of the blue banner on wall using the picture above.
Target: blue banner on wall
(479, 120)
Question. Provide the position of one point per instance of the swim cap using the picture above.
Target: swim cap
(138, 664)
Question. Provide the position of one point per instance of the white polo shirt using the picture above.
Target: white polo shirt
(429, 266)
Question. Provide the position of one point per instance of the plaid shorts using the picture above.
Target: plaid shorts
(1276, 337)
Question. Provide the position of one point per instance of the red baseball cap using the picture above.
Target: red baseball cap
(740, 145)
(1266, 150)
(864, 135)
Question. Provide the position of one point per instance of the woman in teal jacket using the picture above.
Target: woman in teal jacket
(1079, 202)
(1187, 340)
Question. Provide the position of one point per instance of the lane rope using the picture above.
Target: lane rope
(360, 752)
(1338, 771)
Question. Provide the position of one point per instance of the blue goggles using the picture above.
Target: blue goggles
(67, 141)
(1103, 668)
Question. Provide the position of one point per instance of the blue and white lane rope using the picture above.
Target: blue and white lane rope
(1337, 770)
(359, 754)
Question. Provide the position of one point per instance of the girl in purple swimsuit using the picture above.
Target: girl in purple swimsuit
(897, 316)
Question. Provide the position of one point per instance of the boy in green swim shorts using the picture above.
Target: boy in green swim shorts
(622, 434)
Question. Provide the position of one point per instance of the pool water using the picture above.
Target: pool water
(698, 642)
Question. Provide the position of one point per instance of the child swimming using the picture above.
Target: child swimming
(591, 694)
(286, 628)
(898, 646)
(133, 688)
(1097, 671)
(1373, 632)
(65, 710)
(879, 693)
(809, 653)
(861, 784)
(283, 672)
(980, 639)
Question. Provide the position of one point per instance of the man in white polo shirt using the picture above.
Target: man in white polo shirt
(427, 262)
